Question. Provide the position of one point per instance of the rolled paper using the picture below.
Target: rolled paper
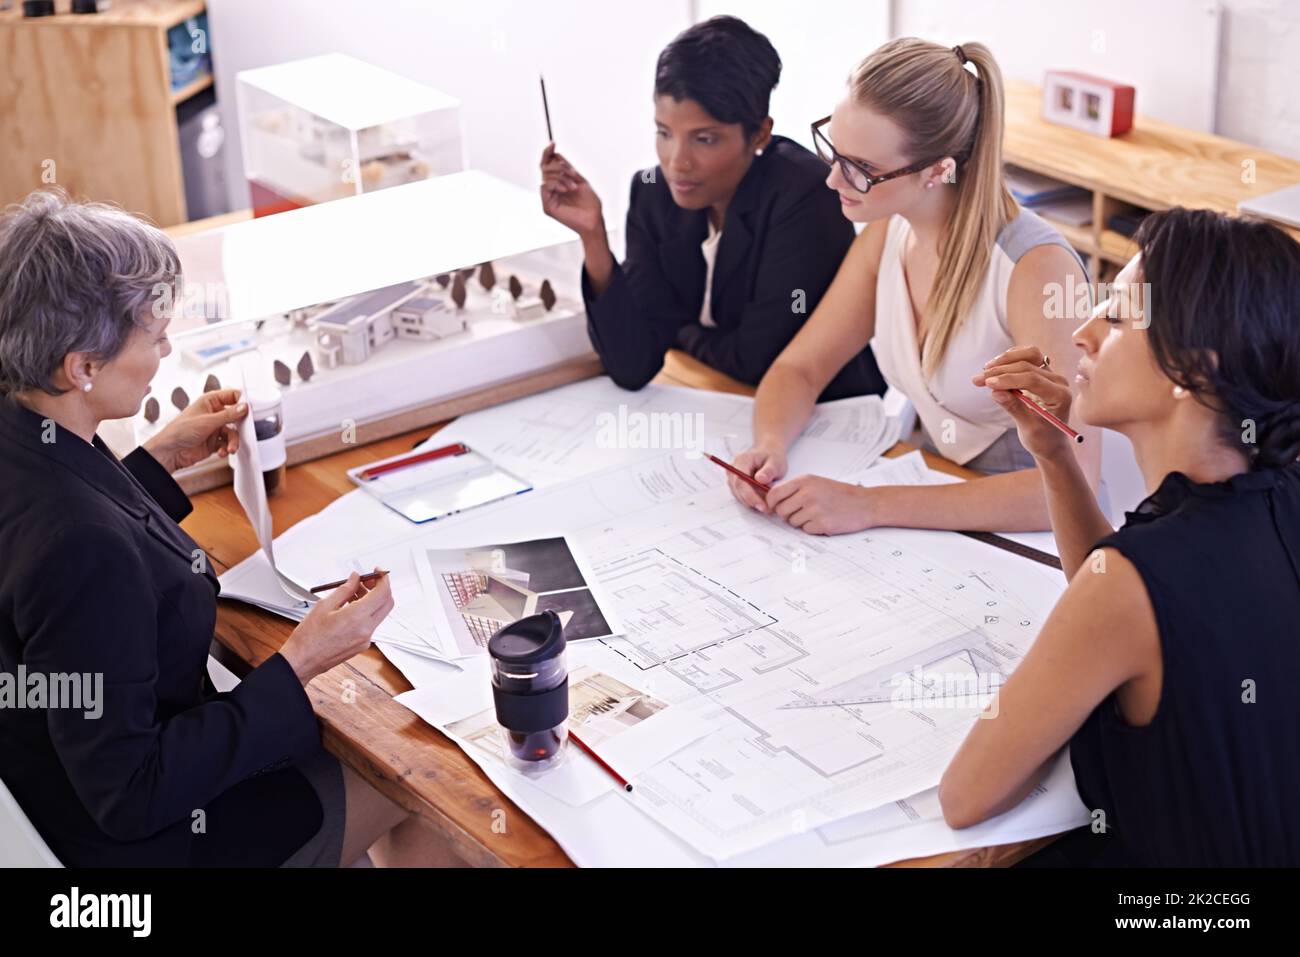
(547, 295)
(516, 287)
(442, 279)
(212, 384)
(305, 367)
(151, 409)
(282, 373)
(458, 291)
(487, 276)
(179, 398)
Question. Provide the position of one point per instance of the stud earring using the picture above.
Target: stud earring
(759, 151)
(1179, 392)
(929, 185)
(87, 387)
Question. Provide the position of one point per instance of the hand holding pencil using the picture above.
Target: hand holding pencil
(1023, 382)
(339, 625)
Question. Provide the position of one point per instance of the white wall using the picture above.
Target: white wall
(1167, 49)
(598, 59)
(1259, 74)
(817, 52)
(1237, 76)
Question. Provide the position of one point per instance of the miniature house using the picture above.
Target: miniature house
(427, 319)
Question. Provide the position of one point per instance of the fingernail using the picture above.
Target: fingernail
(992, 379)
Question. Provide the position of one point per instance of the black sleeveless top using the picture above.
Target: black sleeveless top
(1214, 779)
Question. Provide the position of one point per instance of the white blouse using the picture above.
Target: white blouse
(960, 418)
(710, 249)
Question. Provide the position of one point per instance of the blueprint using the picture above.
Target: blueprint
(770, 637)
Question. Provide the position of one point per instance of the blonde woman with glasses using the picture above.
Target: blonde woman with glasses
(948, 273)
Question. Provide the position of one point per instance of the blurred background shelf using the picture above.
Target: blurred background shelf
(1154, 166)
(89, 106)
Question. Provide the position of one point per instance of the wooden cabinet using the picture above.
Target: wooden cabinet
(1154, 166)
(86, 102)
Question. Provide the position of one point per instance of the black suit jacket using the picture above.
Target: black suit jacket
(783, 232)
(97, 578)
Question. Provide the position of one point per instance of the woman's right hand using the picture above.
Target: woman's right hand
(338, 627)
(1022, 368)
(766, 465)
(567, 197)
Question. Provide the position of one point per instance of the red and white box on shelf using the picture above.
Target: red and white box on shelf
(1089, 103)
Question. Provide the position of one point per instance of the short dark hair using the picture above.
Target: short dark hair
(726, 66)
(1225, 324)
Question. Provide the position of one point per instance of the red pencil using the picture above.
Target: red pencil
(601, 761)
(457, 448)
(739, 474)
(1047, 415)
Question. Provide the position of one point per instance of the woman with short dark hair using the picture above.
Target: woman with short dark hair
(100, 585)
(731, 239)
(1170, 665)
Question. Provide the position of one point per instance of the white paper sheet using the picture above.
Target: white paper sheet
(611, 832)
(250, 490)
(464, 706)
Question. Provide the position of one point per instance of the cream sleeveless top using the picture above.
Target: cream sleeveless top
(959, 417)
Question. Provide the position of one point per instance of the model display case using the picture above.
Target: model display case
(364, 308)
(331, 126)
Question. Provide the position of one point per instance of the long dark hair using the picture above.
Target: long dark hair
(1225, 322)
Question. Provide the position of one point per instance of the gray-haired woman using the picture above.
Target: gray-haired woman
(98, 586)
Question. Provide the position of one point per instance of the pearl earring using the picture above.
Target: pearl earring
(929, 185)
(87, 387)
(759, 151)
(1179, 392)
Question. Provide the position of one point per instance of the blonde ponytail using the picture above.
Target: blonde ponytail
(945, 110)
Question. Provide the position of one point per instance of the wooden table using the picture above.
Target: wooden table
(406, 759)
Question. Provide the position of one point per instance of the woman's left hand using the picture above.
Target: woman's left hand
(204, 427)
(822, 506)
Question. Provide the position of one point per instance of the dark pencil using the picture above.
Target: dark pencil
(546, 107)
(366, 579)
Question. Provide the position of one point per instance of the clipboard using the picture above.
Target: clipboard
(437, 483)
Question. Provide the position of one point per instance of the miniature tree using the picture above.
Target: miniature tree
(282, 373)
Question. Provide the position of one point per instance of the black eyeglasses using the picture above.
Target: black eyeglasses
(857, 175)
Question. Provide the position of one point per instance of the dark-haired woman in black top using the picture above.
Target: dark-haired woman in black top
(1171, 664)
(731, 240)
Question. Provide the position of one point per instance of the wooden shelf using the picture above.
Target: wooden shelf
(1080, 237)
(1117, 247)
(90, 102)
(1154, 166)
(197, 85)
(123, 13)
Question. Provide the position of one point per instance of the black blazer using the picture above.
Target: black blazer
(784, 232)
(96, 577)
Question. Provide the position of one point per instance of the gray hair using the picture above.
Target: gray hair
(74, 277)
